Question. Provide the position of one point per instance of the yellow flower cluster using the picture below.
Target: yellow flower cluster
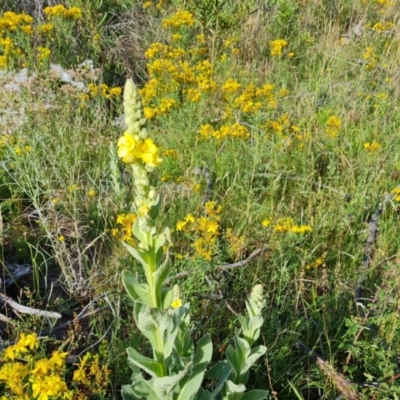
(206, 230)
(180, 18)
(132, 149)
(228, 130)
(371, 58)
(11, 21)
(178, 75)
(42, 378)
(285, 132)
(8, 49)
(383, 26)
(124, 231)
(103, 90)
(43, 54)
(159, 5)
(231, 86)
(46, 28)
(172, 73)
(279, 125)
(277, 47)
(60, 10)
(373, 146)
(236, 243)
(253, 99)
(13, 24)
(286, 225)
(91, 374)
(316, 263)
(333, 125)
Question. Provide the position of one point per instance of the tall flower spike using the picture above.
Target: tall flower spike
(256, 301)
(134, 147)
(133, 110)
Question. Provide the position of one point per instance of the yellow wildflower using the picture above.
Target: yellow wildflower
(333, 126)
(29, 340)
(128, 149)
(396, 193)
(74, 13)
(149, 153)
(73, 188)
(301, 229)
(373, 146)
(9, 353)
(178, 19)
(45, 28)
(56, 10)
(57, 358)
(176, 303)
(41, 367)
(277, 46)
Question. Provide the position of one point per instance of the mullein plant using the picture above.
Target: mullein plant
(177, 367)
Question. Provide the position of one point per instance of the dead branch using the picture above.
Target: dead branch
(28, 310)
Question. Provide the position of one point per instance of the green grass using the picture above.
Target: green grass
(291, 166)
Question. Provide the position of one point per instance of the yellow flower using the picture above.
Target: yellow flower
(176, 303)
(72, 188)
(73, 12)
(127, 148)
(9, 353)
(114, 232)
(266, 223)
(114, 92)
(92, 193)
(49, 386)
(396, 194)
(181, 224)
(57, 358)
(301, 229)
(58, 9)
(3, 61)
(178, 19)
(149, 153)
(41, 367)
(212, 227)
(61, 238)
(333, 126)
(277, 46)
(373, 146)
(146, 5)
(29, 340)
(43, 53)
(45, 28)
